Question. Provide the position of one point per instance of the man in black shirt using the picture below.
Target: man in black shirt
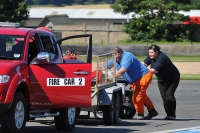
(168, 78)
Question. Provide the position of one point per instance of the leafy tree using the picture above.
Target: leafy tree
(38, 2)
(14, 11)
(67, 2)
(153, 19)
(196, 3)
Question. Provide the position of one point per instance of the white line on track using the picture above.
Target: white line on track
(181, 129)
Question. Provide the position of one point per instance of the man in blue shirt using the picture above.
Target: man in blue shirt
(139, 77)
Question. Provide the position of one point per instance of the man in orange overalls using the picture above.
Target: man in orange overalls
(139, 77)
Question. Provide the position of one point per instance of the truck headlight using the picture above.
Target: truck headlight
(4, 78)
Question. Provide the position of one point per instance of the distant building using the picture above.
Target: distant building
(62, 16)
(105, 25)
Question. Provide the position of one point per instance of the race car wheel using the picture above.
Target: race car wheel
(15, 119)
(116, 108)
(66, 121)
(128, 107)
(108, 113)
(129, 113)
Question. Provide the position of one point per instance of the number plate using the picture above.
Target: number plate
(65, 81)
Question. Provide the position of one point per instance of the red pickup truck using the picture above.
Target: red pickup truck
(35, 80)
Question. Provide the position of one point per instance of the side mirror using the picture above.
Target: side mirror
(43, 58)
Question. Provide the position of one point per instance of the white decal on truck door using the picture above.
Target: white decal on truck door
(65, 81)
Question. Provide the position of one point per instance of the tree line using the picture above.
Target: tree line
(158, 20)
(68, 2)
(85, 2)
(155, 19)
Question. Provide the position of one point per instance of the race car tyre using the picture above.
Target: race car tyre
(66, 121)
(108, 113)
(116, 108)
(15, 119)
(129, 113)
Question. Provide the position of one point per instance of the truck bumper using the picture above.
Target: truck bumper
(4, 107)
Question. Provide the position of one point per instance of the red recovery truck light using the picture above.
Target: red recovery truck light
(193, 20)
(9, 24)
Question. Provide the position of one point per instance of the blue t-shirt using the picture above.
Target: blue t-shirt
(135, 69)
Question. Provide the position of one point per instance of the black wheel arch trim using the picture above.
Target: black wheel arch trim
(4, 107)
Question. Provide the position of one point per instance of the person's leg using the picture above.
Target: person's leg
(137, 99)
(167, 91)
(170, 98)
(140, 99)
(162, 89)
(150, 107)
(147, 80)
(147, 101)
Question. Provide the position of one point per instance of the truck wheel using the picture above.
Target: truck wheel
(116, 108)
(66, 121)
(15, 119)
(108, 113)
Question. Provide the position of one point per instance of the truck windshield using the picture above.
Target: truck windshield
(11, 47)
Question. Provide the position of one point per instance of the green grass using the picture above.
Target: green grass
(187, 77)
(173, 58)
(190, 76)
(135, 43)
(157, 43)
(181, 59)
(178, 58)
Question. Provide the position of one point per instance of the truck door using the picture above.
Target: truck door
(65, 84)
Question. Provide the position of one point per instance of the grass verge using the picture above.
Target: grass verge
(190, 76)
(174, 59)
(178, 58)
(187, 77)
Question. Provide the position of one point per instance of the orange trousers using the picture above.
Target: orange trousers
(139, 97)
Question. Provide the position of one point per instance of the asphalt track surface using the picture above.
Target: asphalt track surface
(188, 116)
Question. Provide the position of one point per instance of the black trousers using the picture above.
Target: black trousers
(167, 90)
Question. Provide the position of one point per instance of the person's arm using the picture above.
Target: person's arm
(153, 70)
(126, 63)
(160, 63)
(144, 64)
(120, 72)
(109, 63)
(147, 61)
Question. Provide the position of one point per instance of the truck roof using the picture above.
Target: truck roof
(14, 31)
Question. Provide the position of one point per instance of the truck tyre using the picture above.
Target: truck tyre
(116, 108)
(66, 121)
(15, 119)
(108, 113)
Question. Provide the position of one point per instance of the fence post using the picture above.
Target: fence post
(108, 32)
(84, 28)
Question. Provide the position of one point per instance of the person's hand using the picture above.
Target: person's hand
(102, 68)
(153, 70)
(144, 64)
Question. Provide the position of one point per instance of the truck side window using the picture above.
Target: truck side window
(33, 49)
(46, 41)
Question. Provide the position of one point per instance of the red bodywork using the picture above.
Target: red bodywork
(71, 55)
(33, 79)
(193, 20)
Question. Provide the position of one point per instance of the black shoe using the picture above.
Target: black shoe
(151, 114)
(169, 118)
(140, 117)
